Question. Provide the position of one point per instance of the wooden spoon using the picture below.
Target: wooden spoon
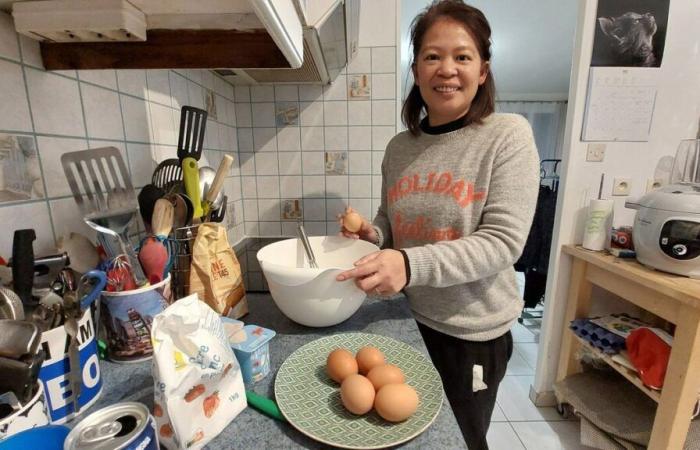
(218, 182)
(163, 216)
(180, 208)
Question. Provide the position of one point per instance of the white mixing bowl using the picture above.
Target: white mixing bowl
(313, 297)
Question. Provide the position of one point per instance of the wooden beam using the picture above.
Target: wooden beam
(170, 49)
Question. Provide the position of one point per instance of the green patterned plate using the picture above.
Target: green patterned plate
(311, 401)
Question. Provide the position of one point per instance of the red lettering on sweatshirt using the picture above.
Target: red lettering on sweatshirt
(421, 229)
(462, 191)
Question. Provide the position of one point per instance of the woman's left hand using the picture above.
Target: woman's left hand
(379, 273)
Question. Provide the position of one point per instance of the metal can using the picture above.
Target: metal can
(124, 426)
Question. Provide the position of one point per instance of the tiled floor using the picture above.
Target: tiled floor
(517, 424)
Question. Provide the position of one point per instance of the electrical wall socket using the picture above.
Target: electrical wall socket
(653, 183)
(595, 152)
(621, 186)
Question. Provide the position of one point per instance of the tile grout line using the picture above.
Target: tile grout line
(347, 127)
(10, 60)
(255, 166)
(517, 435)
(540, 420)
(10, 203)
(240, 165)
(87, 133)
(126, 145)
(76, 78)
(152, 122)
(240, 174)
(240, 161)
(373, 208)
(70, 136)
(277, 147)
(36, 142)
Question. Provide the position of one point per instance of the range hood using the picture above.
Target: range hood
(329, 44)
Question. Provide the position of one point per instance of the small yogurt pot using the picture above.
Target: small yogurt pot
(250, 344)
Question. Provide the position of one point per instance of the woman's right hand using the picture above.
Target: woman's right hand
(366, 231)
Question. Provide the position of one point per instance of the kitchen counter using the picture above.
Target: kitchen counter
(253, 430)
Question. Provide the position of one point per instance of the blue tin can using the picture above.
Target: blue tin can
(55, 371)
(49, 437)
(124, 426)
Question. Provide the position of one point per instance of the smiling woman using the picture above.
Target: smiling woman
(458, 195)
(448, 71)
(450, 68)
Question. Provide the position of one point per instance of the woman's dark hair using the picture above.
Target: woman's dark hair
(478, 27)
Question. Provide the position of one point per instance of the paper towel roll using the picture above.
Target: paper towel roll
(596, 233)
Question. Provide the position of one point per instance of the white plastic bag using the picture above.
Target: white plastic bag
(198, 384)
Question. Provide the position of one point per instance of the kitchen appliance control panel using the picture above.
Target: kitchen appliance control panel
(680, 239)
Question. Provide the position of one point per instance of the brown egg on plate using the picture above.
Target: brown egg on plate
(385, 374)
(357, 394)
(352, 221)
(339, 364)
(396, 402)
(369, 357)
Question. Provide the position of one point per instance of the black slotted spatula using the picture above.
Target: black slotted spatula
(168, 173)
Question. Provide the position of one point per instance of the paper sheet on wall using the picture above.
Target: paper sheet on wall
(619, 104)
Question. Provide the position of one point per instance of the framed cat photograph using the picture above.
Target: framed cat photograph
(630, 33)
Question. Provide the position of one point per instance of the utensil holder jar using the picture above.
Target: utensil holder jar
(180, 244)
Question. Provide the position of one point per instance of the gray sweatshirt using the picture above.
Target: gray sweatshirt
(461, 204)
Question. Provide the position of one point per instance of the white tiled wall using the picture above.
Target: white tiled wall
(287, 161)
(277, 163)
(283, 162)
(136, 111)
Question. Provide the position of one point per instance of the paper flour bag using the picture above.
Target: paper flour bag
(215, 274)
(198, 383)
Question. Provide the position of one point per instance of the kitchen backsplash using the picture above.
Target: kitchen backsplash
(45, 114)
(301, 151)
(308, 151)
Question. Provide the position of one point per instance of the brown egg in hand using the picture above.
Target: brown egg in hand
(385, 374)
(339, 364)
(368, 358)
(396, 402)
(352, 222)
(357, 394)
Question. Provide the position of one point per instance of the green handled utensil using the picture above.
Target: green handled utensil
(190, 173)
(193, 122)
(264, 405)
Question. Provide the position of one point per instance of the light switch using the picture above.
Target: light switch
(595, 152)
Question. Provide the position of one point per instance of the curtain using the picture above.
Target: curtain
(547, 119)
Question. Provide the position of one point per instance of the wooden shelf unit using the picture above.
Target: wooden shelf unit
(673, 298)
(631, 375)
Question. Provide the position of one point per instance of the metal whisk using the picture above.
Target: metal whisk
(307, 246)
